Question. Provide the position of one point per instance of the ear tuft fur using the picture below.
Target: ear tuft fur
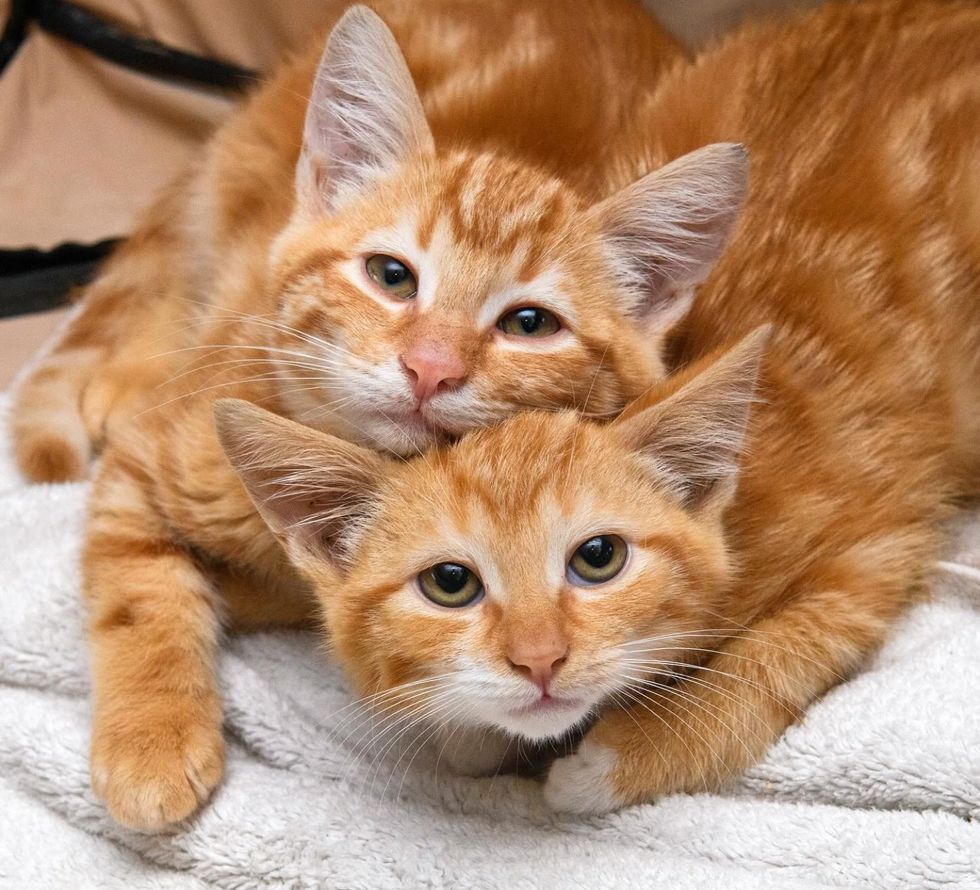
(364, 116)
(314, 491)
(667, 230)
(693, 439)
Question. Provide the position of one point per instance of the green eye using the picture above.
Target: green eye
(392, 276)
(529, 322)
(450, 584)
(598, 559)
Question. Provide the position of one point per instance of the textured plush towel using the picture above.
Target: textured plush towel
(879, 787)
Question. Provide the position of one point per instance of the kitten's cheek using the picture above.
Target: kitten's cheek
(583, 782)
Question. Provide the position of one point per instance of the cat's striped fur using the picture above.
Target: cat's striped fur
(859, 248)
(249, 278)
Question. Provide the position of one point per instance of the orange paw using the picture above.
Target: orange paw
(52, 457)
(154, 773)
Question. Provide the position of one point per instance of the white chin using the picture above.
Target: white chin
(386, 432)
(544, 724)
(404, 442)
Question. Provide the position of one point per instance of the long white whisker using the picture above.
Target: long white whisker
(712, 710)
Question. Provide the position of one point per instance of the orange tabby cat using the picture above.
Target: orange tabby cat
(555, 570)
(393, 263)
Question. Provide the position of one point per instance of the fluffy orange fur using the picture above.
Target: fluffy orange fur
(478, 165)
(746, 595)
(858, 244)
(486, 191)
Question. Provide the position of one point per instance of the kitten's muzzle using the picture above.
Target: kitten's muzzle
(431, 368)
(539, 665)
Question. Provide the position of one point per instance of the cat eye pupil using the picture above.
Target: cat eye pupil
(451, 585)
(451, 577)
(530, 321)
(597, 552)
(392, 276)
(394, 272)
(597, 560)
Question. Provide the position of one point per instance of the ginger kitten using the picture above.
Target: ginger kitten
(396, 261)
(859, 245)
(461, 169)
(554, 574)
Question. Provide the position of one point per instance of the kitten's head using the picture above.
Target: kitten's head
(526, 575)
(423, 293)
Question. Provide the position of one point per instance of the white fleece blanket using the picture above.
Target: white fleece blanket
(879, 787)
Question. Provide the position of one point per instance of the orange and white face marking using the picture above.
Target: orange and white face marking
(530, 572)
(482, 238)
(437, 291)
(539, 650)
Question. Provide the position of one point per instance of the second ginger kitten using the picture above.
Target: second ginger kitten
(857, 245)
(685, 587)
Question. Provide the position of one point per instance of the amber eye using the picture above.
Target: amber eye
(392, 276)
(450, 584)
(598, 559)
(529, 322)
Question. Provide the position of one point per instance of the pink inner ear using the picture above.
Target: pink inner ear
(432, 367)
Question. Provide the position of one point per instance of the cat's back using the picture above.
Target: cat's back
(860, 235)
(814, 87)
(859, 244)
(539, 81)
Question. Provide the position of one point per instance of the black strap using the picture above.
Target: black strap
(34, 280)
(71, 22)
(14, 31)
(81, 27)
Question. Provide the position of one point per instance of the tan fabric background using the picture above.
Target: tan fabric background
(85, 143)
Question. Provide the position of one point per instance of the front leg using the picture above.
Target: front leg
(157, 747)
(252, 603)
(705, 730)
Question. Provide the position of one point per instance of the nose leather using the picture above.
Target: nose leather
(539, 662)
(430, 367)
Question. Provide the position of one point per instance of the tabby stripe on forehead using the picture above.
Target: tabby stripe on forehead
(427, 226)
(535, 258)
(489, 232)
(488, 493)
(311, 265)
(469, 182)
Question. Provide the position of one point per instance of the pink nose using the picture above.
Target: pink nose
(539, 664)
(431, 367)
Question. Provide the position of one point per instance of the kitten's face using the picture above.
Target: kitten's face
(526, 575)
(449, 297)
(421, 294)
(533, 570)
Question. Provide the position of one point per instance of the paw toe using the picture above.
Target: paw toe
(149, 783)
(582, 783)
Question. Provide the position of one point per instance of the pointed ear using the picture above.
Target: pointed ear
(667, 230)
(693, 439)
(364, 115)
(314, 491)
